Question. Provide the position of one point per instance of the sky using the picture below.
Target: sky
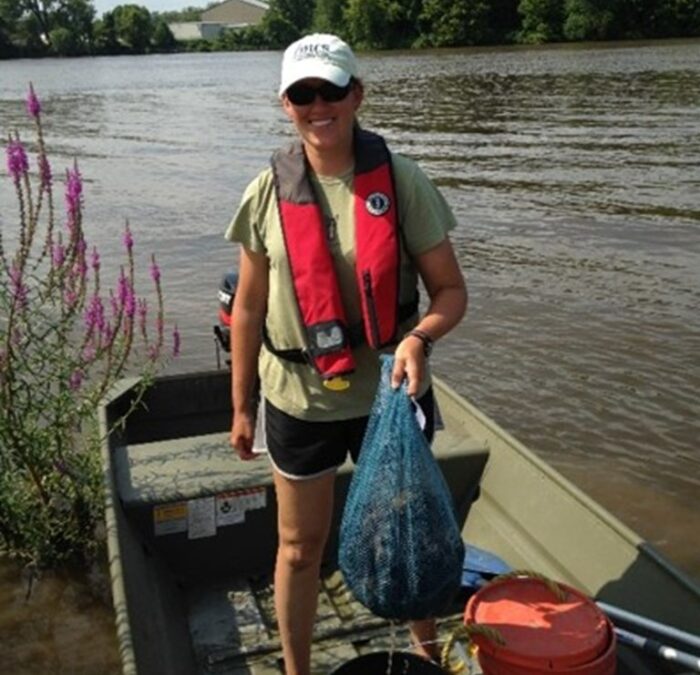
(102, 6)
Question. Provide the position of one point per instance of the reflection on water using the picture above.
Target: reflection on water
(574, 173)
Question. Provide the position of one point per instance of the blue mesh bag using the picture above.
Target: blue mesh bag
(400, 549)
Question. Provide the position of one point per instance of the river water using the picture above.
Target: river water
(574, 173)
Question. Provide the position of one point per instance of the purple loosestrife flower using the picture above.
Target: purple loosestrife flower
(95, 261)
(95, 315)
(74, 191)
(33, 104)
(176, 341)
(58, 255)
(122, 288)
(130, 304)
(75, 380)
(17, 162)
(127, 300)
(128, 239)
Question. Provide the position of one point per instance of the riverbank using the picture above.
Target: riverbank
(64, 625)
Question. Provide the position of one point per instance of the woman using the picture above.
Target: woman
(333, 238)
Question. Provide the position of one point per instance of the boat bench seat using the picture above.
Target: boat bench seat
(182, 469)
(194, 501)
(199, 466)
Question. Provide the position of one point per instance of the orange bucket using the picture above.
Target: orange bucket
(542, 633)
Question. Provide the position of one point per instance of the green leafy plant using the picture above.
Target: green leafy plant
(64, 341)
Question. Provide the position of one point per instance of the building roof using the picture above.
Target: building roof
(236, 12)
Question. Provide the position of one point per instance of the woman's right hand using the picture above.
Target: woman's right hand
(242, 434)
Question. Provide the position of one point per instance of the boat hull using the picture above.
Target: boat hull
(192, 538)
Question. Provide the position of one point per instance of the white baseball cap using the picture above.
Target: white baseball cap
(319, 55)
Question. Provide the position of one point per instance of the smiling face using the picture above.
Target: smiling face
(326, 127)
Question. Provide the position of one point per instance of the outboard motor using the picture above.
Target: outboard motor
(222, 331)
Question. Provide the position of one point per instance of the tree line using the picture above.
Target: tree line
(69, 27)
(30, 28)
(401, 24)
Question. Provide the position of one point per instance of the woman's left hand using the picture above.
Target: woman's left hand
(409, 362)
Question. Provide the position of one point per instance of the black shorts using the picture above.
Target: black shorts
(302, 449)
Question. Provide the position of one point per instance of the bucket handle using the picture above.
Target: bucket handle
(466, 631)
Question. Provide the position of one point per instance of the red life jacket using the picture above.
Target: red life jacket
(328, 335)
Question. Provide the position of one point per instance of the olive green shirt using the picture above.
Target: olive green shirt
(425, 219)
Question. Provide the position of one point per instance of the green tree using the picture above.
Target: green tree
(64, 42)
(250, 37)
(38, 15)
(75, 19)
(448, 23)
(656, 18)
(687, 14)
(328, 16)
(277, 29)
(35, 24)
(7, 25)
(183, 15)
(504, 20)
(589, 19)
(382, 24)
(297, 12)
(106, 38)
(542, 20)
(163, 38)
(29, 35)
(134, 26)
(8, 22)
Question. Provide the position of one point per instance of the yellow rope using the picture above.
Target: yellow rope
(467, 632)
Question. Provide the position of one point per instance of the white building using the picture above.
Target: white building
(225, 15)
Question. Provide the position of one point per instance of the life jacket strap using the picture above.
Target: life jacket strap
(356, 336)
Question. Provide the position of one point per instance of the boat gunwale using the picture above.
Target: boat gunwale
(643, 547)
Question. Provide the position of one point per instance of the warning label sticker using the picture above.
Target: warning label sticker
(231, 507)
(170, 518)
(202, 516)
(228, 510)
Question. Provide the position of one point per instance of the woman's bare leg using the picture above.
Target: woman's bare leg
(304, 509)
(425, 631)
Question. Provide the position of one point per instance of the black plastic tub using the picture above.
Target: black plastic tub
(377, 663)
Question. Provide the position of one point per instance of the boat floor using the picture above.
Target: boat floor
(234, 629)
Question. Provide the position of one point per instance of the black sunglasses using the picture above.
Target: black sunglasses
(304, 94)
